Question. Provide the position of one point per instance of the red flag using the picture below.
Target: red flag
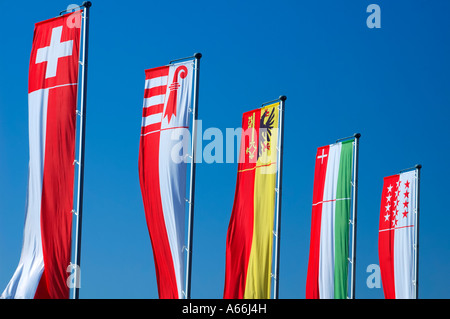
(162, 172)
(396, 235)
(52, 96)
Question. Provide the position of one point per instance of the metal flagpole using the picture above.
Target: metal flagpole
(192, 180)
(82, 113)
(416, 235)
(353, 221)
(282, 99)
(417, 168)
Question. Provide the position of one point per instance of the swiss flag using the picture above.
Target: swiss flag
(55, 53)
(52, 97)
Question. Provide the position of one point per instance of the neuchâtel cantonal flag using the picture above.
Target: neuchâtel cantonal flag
(249, 237)
(167, 99)
(52, 97)
(396, 235)
(328, 254)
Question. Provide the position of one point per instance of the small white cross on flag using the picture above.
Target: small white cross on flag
(52, 97)
(54, 51)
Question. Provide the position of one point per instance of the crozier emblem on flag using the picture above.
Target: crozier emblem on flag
(250, 231)
(396, 235)
(52, 96)
(328, 255)
(167, 99)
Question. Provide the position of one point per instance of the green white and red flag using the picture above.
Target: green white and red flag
(327, 276)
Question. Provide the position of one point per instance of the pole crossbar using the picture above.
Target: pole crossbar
(186, 58)
(356, 135)
(417, 166)
(85, 4)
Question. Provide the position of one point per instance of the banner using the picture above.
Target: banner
(162, 172)
(52, 97)
(396, 235)
(250, 231)
(327, 276)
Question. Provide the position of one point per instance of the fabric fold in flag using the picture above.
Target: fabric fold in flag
(396, 235)
(52, 97)
(327, 276)
(249, 237)
(162, 172)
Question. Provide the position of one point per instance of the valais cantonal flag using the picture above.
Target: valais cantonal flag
(328, 253)
(162, 172)
(396, 235)
(52, 97)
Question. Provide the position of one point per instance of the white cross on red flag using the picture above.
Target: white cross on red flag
(396, 235)
(52, 97)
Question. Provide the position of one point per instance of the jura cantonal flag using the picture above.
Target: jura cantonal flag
(167, 99)
(396, 235)
(328, 254)
(52, 97)
(249, 238)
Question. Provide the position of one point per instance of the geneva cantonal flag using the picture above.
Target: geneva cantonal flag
(396, 235)
(249, 238)
(52, 96)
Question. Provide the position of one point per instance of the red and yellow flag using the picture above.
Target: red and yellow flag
(249, 237)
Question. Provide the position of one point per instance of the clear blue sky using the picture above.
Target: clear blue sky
(340, 77)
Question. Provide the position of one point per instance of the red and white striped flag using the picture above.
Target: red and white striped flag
(167, 99)
(52, 97)
(396, 235)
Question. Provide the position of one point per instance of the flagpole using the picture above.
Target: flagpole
(416, 235)
(282, 99)
(84, 63)
(192, 180)
(354, 209)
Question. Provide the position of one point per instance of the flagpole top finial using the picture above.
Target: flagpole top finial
(283, 97)
(357, 135)
(419, 166)
(87, 4)
(197, 55)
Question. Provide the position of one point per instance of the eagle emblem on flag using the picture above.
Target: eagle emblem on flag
(266, 126)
